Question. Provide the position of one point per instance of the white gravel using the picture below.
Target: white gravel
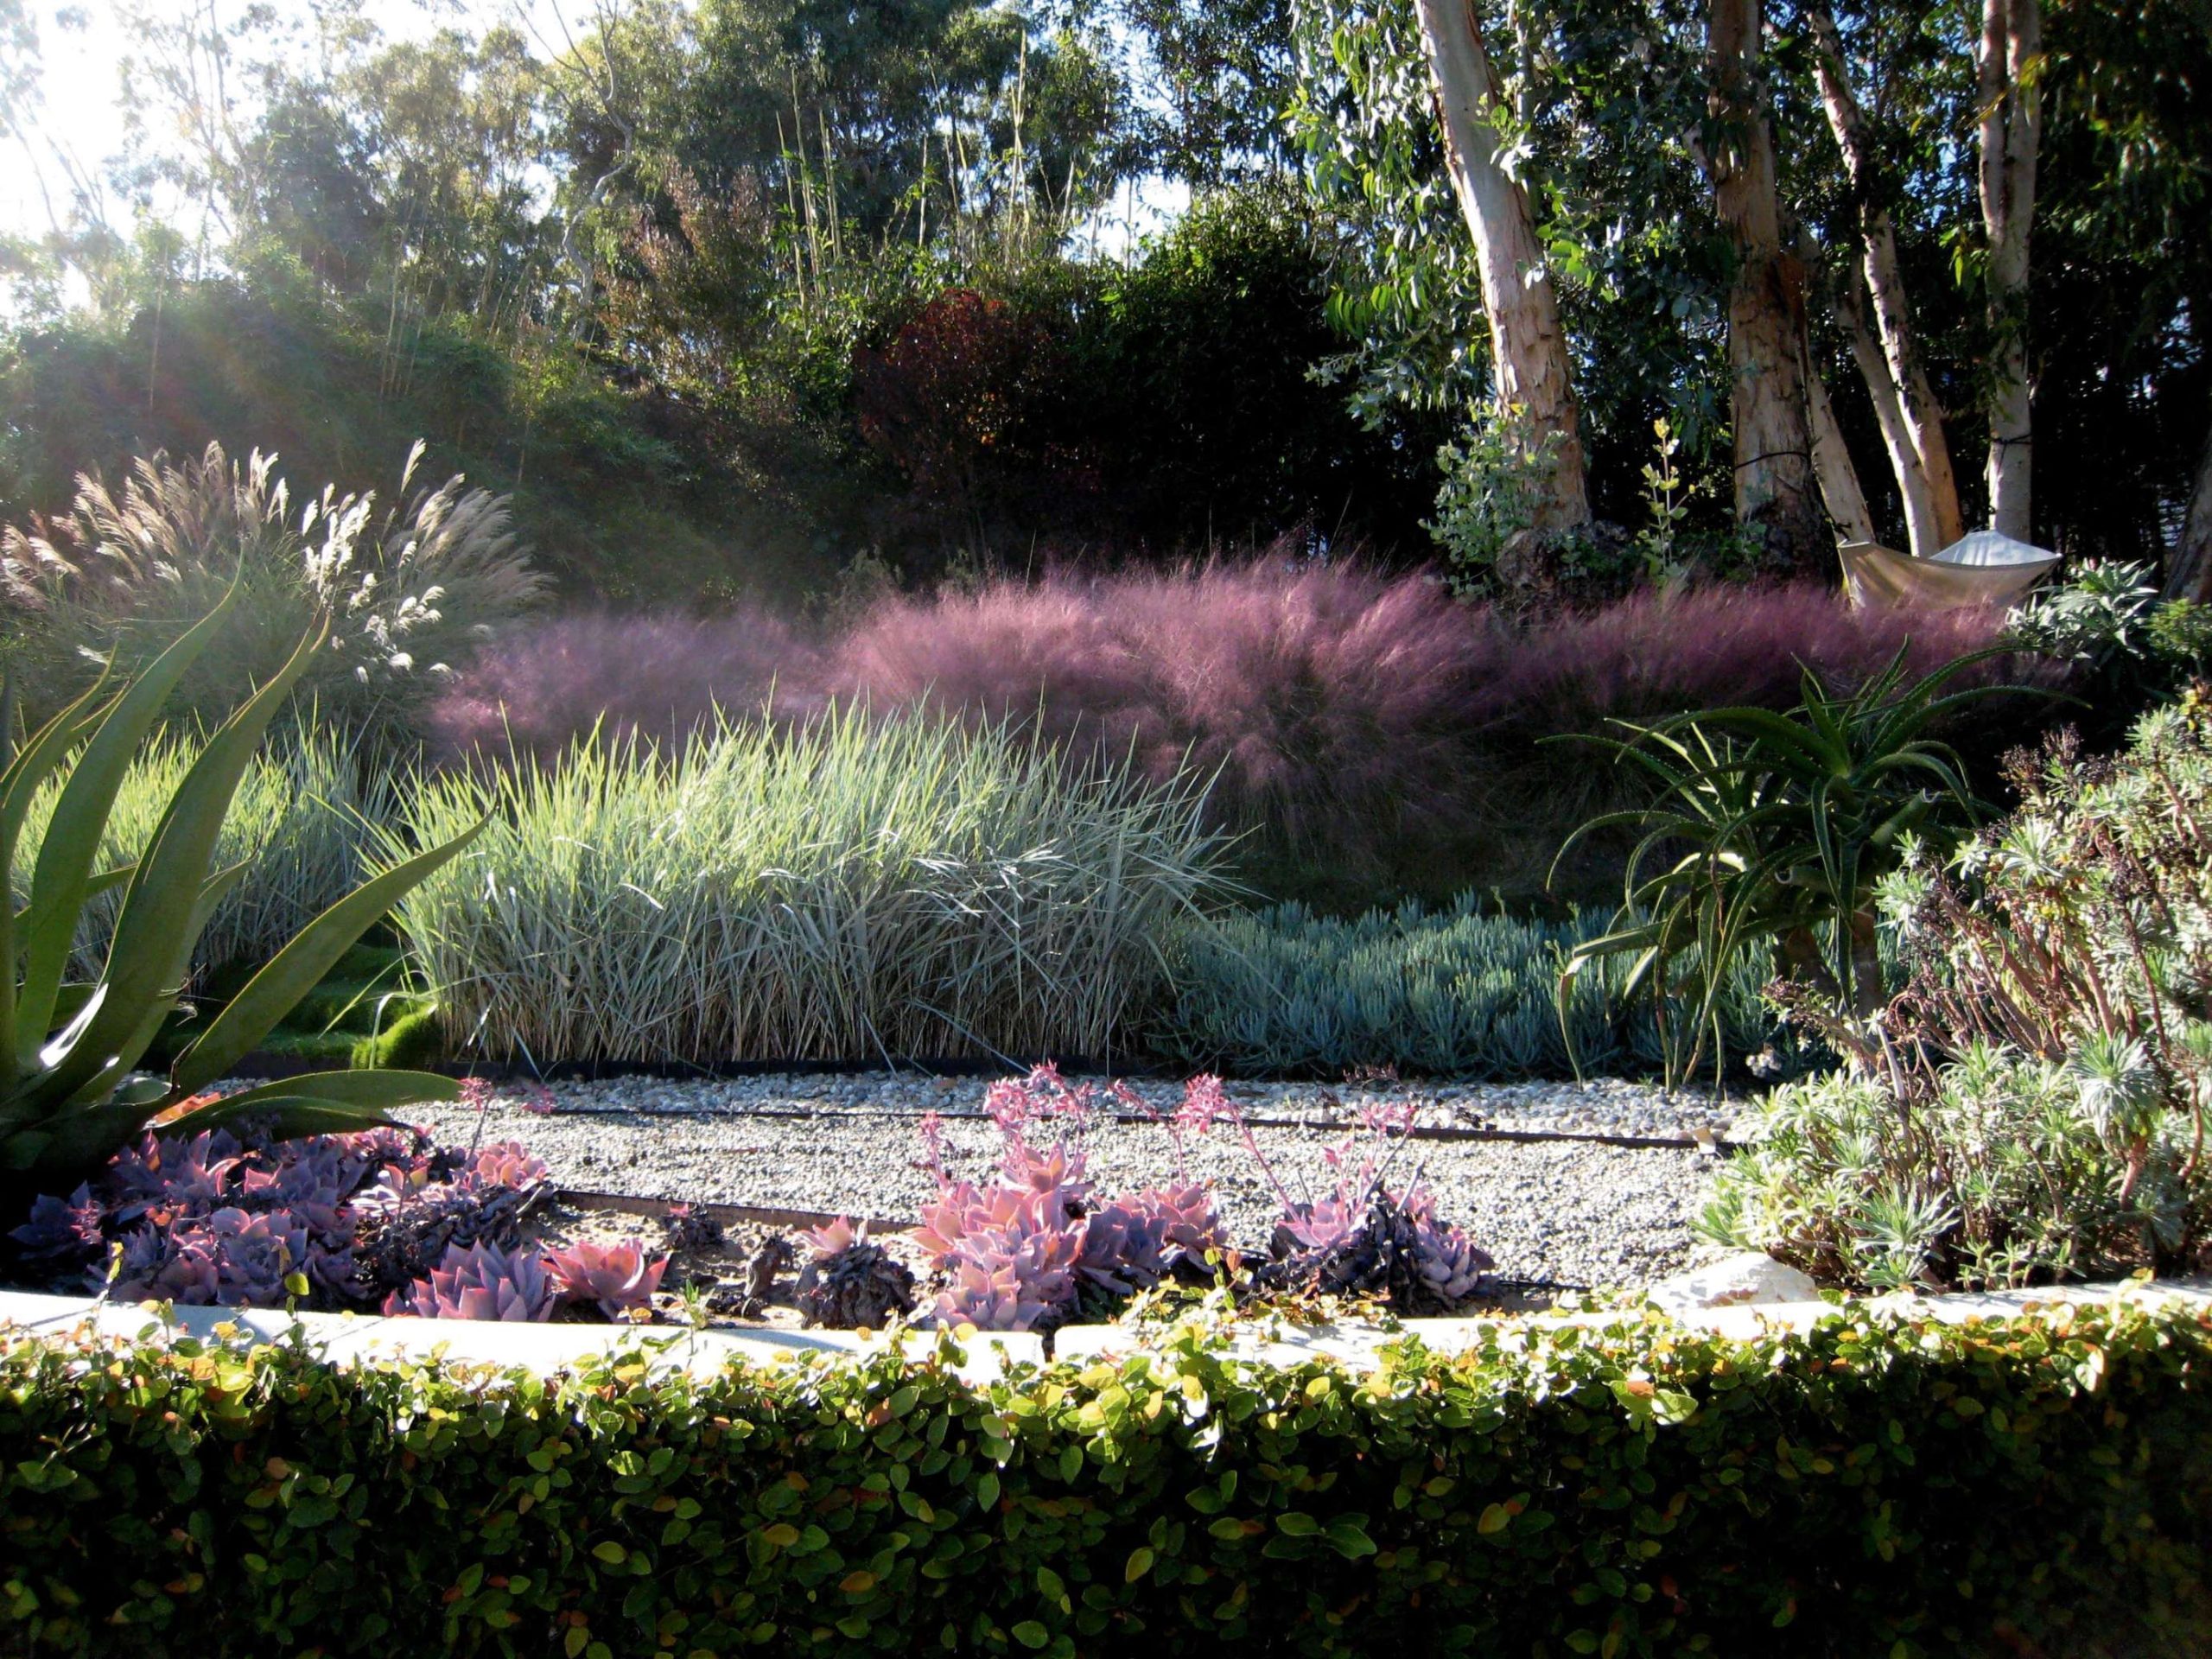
(1581, 1213)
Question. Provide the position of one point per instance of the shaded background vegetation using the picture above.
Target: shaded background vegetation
(727, 296)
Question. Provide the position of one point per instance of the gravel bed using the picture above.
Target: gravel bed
(1569, 1213)
(1603, 1106)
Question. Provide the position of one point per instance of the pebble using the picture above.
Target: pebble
(1575, 1213)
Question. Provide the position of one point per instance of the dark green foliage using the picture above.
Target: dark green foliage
(2126, 648)
(1194, 378)
(1167, 403)
(1869, 1488)
(620, 492)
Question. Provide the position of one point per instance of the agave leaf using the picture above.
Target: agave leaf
(165, 906)
(300, 966)
(27, 770)
(378, 1089)
(65, 856)
(285, 1115)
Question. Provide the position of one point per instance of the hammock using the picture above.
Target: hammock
(1983, 569)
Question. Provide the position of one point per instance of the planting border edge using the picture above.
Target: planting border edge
(343, 1338)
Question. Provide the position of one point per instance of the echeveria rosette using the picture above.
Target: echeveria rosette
(482, 1281)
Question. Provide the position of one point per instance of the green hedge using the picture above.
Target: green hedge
(1881, 1488)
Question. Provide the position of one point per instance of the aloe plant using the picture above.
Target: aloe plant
(1777, 829)
(72, 1091)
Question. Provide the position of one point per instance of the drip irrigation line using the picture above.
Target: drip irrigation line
(749, 1215)
(1713, 1144)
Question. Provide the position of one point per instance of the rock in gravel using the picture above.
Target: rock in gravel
(1746, 1277)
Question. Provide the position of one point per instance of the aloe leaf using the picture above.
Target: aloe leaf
(134, 1047)
(80, 815)
(299, 967)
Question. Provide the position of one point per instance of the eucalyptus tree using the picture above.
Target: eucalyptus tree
(1888, 352)
(1221, 73)
(2009, 92)
(1769, 417)
(1533, 383)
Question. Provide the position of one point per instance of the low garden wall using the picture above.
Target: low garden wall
(1852, 1479)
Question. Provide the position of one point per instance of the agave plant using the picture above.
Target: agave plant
(1778, 829)
(71, 1090)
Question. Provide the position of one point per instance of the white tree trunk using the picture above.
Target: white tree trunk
(1923, 528)
(2011, 128)
(2189, 572)
(1774, 486)
(1527, 348)
(1840, 491)
(1922, 414)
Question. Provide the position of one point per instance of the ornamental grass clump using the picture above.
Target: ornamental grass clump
(1367, 735)
(409, 593)
(297, 831)
(855, 888)
(2032, 1106)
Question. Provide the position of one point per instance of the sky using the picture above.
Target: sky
(78, 119)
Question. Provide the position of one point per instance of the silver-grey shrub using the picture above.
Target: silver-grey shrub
(856, 889)
(299, 822)
(1459, 991)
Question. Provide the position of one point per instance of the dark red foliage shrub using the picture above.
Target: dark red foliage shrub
(949, 400)
(546, 683)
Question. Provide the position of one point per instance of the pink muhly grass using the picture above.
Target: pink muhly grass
(1366, 729)
(1330, 702)
(1657, 654)
(659, 676)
